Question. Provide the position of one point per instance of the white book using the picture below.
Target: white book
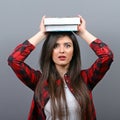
(62, 21)
(62, 24)
(61, 28)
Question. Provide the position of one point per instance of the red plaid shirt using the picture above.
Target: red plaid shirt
(30, 77)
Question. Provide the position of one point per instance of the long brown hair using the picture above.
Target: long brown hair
(50, 73)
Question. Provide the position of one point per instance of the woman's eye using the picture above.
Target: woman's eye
(67, 45)
(56, 45)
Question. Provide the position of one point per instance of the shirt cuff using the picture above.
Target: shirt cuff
(26, 42)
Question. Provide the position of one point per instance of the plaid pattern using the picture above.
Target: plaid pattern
(30, 77)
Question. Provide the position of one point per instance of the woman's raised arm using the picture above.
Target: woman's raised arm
(40, 35)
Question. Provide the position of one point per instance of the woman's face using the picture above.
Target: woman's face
(63, 51)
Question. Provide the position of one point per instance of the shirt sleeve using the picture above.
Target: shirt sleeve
(24, 72)
(95, 73)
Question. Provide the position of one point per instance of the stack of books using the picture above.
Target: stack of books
(61, 24)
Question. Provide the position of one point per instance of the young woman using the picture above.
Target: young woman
(62, 91)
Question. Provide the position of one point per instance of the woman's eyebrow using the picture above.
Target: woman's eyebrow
(64, 42)
(68, 43)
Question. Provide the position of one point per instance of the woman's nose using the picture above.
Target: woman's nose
(61, 49)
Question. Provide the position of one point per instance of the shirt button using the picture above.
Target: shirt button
(67, 81)
(71, 89)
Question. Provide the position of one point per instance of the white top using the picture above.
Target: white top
(72, 107)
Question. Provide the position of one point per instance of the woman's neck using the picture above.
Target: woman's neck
(62, 70)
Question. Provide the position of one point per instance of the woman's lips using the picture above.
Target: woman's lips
(62, 57)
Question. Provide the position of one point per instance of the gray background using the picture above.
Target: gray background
(19, 20)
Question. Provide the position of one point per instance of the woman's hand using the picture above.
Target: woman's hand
(81, 26)
(83, 33)
(40, 35)
(42, 26)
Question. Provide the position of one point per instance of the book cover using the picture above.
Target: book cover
(62, 21)
(56, 28)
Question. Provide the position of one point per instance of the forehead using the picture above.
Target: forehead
(64, 39)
